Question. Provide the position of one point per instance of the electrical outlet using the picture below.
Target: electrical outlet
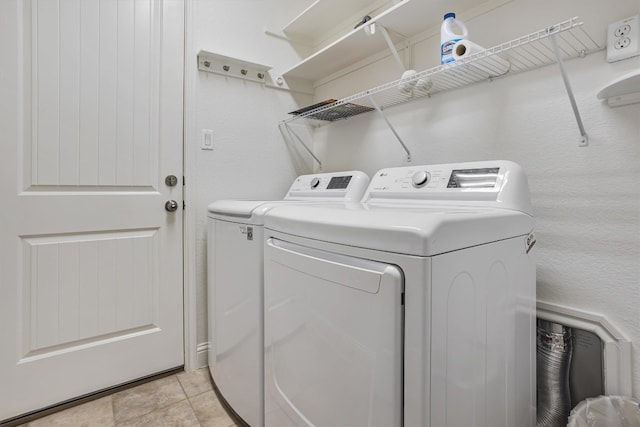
(623, 39)
(622, 30)
(622, 43)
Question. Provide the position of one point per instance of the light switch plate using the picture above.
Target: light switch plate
(623, 39)
(207, 139)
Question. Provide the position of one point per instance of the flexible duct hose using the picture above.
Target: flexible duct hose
(554, 348)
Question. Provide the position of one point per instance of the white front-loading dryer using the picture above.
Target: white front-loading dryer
(234, 282)
(414, 308)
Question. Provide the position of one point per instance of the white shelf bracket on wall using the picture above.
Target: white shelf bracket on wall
(292, 132)
(392, 47)
(393, 130)
(584, 138)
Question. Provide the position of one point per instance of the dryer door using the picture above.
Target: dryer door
(333, 337)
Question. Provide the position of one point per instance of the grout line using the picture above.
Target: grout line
(189, 397)
(113, 410)
(193, 409)
(139, 385)
(159, 408)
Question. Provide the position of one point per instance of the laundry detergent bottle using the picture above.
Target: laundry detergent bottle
(451, 32)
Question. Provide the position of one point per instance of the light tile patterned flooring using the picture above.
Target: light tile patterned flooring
(185, 399)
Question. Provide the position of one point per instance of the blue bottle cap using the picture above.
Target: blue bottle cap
(449, 15)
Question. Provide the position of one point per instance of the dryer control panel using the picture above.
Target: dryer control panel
(488, 183)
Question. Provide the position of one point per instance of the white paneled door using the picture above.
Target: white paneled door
(90, 260)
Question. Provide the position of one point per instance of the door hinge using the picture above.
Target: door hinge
(184, 205)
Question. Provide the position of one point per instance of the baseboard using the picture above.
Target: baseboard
(202, 354)
(617, 348)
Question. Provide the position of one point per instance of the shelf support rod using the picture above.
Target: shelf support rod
(584, 138)
(292, 132)
(393, 130)
(392, 47)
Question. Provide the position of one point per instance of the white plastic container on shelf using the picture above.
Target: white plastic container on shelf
(449, 37)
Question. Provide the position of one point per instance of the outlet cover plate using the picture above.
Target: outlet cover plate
(623, 39)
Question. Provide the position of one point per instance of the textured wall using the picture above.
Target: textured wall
(586, 200)
(250, 160)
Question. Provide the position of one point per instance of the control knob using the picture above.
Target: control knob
(420, 179)
(315, 182)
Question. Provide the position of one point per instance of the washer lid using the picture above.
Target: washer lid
(410, 230)
(236, 208)
(243, 211)
(348, 186)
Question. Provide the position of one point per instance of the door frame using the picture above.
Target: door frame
(195, 355)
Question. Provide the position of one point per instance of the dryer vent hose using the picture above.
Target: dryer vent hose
(554, 348)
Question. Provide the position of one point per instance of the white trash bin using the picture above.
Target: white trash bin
(606, 411)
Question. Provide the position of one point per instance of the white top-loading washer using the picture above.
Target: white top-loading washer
(414, 308)
(235, 248)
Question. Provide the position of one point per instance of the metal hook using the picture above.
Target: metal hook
(363, 21)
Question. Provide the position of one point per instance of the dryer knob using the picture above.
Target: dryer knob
(315, 182)
(420, 179)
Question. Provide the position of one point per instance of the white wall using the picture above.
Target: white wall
(586, 200)
(251, 159)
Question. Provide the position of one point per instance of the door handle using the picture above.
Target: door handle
(171, 206)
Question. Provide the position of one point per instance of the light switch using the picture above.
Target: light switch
(207, 139)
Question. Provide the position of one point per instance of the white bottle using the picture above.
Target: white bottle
(448, 37)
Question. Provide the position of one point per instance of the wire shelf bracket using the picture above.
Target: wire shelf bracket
(292, 132)
(393, 130)
(584, 138)
(392, 47)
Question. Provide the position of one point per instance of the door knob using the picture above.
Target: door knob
(171, 206)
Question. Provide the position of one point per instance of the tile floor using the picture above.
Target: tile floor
(185, 399)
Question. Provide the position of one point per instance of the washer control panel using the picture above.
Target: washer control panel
(412, 179)
(349, 186)
(483, 182)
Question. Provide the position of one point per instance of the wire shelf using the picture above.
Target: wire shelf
(526, 53)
